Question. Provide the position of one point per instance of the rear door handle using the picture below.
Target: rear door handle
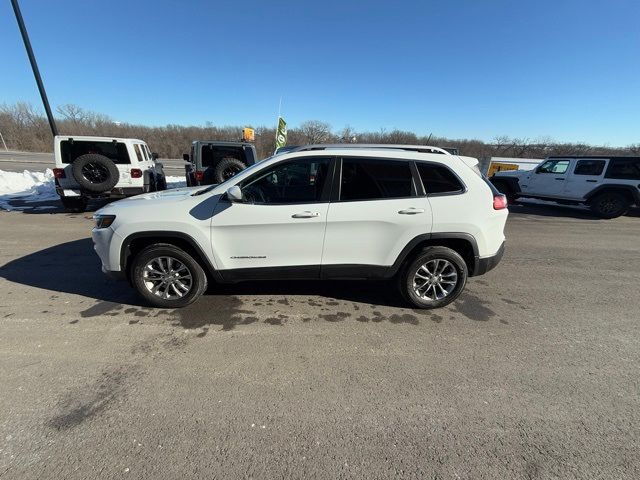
(561, 179)
(411, 211)
(306, 214)
(592, 181)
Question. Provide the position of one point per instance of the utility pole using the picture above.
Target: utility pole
(34, 66)
(3, 142)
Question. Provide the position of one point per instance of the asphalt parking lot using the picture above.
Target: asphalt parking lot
(532, 373)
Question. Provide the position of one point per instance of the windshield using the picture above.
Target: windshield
(229, 180)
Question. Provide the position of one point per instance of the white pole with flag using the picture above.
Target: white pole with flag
(281, 132)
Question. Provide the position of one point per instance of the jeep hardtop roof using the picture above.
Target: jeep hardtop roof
(222, 143)
(96, 139)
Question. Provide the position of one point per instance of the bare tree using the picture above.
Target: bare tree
(26, 128)
(315, 131)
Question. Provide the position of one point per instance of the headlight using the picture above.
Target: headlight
(104, 221)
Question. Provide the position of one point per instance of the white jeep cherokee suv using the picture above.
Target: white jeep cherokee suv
(608, 185)
(103, 167)
(429, 220)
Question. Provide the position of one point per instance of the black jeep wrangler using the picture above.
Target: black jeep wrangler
(212, 162)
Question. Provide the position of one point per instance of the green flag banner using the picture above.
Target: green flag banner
(281, 134)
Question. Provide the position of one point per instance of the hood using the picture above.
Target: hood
(154, 200)
(511, 173)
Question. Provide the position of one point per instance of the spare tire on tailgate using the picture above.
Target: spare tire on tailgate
(95, 173)
(227, 168)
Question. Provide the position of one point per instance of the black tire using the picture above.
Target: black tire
(140, 280)
(152, 186)
(506, 190)
(95, 173)
(74, 204)
(161, 183)
(454, 269)
(609, 205)
(227, 168)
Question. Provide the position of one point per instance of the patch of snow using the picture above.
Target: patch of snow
(31, 187)
(176, 182)
(26, 186)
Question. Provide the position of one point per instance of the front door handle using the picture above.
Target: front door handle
(306, 214)
(411, 211)
(561, 179)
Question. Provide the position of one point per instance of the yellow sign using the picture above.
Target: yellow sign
(248, 135)
(497, 167)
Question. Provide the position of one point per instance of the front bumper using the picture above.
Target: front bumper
(105, 243)
(483, 265)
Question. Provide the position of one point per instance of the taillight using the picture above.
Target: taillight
(136, 173)
(199, 176)
(499, 202)
(58, 173)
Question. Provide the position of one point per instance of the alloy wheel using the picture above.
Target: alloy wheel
(435, 279)
(95, 172)
(167, 278)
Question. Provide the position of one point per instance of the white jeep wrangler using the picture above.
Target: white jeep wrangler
(428, 220)
(608, 185)
(103, 167)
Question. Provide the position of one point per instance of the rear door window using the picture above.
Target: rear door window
(624, 169)
(589, 167)
(116, 151)
(375, 179)
(438, 179)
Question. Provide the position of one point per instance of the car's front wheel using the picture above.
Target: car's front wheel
(167, 276)
(435, 278)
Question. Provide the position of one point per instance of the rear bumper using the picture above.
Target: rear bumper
(119, 192)
(483, 265)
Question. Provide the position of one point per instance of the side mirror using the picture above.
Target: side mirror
(185, 157)
(155, 156)
(234, 194)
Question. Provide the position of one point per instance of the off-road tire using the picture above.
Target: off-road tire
(227, 168)
(161, 183)
(95, 173)
(506, 190)
(430, 256)
(74, 204)
(609, 205)
(165, 250)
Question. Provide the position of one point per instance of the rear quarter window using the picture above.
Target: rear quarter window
(439, 179)
(116, 151)
(624, 169)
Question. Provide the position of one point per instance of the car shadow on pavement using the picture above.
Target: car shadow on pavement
(562, 211)
(48, 207)
(70, 267)
(73, 267)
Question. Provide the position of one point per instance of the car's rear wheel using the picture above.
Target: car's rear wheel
(167, 276)
(435, 278)
(610, 205)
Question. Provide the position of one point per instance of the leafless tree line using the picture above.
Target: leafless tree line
(25, 128)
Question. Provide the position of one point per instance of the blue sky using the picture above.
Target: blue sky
(569, 70)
